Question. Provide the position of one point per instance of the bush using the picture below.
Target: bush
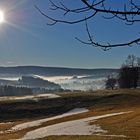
(110, 83)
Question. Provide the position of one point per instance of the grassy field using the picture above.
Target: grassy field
(99, 103)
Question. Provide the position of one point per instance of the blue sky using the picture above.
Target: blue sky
(25, 39)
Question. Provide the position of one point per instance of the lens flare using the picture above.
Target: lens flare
(1, 17)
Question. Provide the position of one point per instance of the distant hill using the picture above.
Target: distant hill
(52, 71)
(33, 82)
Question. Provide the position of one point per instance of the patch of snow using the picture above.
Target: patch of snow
(40, 121)
(29, 97)
(77, 110)
(76, 127)
(48, 95)
(2, 124)
(6, 123)
(118, 136)
(10, 78)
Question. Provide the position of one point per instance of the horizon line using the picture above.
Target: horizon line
(44, 66)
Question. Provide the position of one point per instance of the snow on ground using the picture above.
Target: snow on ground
(118, 136)
(76, 127)
(39, 122)
(29, 97)
(6, 123)
(48, 95)
(77, 111)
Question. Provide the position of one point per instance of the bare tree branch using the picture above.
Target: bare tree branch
(130, 14)
(64, 21)
(108, 46)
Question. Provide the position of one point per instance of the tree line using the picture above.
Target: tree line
(129, 74)
(8, 90)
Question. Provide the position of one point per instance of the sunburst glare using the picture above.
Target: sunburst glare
(1, 16)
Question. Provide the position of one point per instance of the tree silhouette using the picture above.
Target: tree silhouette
(129, 74)
(130, 14)
(131, 61)
(110, 82)
(7, 90)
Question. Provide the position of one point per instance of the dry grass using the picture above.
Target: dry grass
(115, 125)
(100, 92)
(82, 138)
(127, 124)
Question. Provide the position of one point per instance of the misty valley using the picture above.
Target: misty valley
(42, 80)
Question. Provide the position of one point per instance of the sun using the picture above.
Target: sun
(1, 16)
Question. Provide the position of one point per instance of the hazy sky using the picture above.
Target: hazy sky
(25, 39)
